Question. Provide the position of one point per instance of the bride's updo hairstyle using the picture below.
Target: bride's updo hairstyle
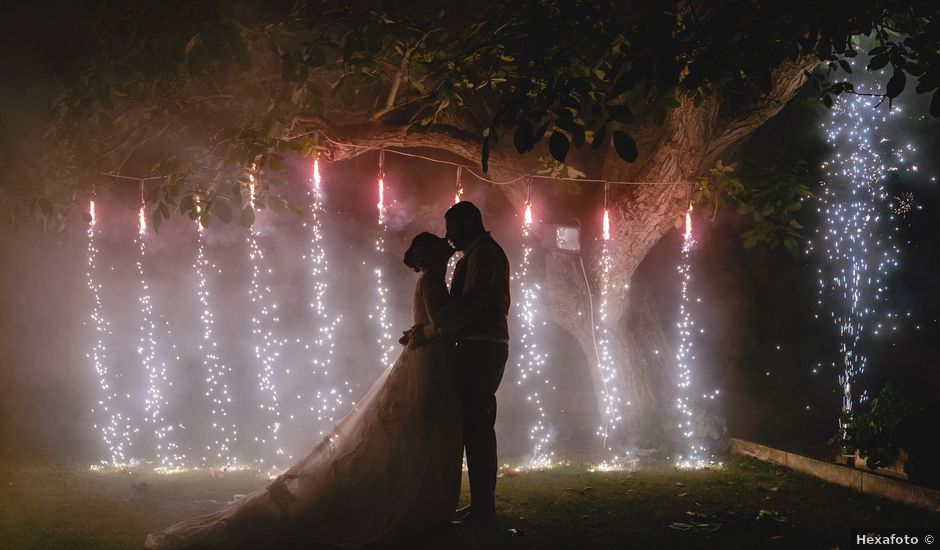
(424, 248)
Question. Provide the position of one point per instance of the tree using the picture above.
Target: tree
(200, 94)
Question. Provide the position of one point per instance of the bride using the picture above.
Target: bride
(391, 466)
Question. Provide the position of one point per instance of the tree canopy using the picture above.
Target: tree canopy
(198, 93)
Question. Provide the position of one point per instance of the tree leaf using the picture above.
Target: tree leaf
(248, 216)
(522, 138)
(624, 84)
(845, 66)
(620, 113)
(625, 146)
(222, 210)
(599, 136)
(878, 62)
(558, 145)
(896, 84)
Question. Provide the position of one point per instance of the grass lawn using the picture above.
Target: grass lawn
(747, 504)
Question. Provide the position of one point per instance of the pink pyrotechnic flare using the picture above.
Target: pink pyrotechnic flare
(316, 175)
(606, 225)
(688, 223)
(91, 211)
(528, 213)
(142, 220)
(381, 203)
(457, 196)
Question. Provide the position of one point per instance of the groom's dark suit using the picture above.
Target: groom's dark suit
(477, 319)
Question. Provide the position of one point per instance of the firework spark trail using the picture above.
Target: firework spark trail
(385, 341)
(155, 402)
(611, 393)
(116, 430)
(217, 373)
(531, 362)
(266, 344)
(323, 404)
(858, 247)
(684, 357)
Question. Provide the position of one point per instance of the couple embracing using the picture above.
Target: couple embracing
(392, 466)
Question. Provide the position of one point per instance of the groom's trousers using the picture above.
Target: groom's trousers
(480, 366)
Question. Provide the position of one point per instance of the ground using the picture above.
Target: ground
(746, 504)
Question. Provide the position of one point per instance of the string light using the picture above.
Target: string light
(610, 398)
(385, 342)
(224, 429)
(266, 345)
(115, 426)
(155, 403)
(859, 252)
(532, 361)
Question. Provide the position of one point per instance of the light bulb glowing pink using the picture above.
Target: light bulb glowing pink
(606, 225)
(528, 213)
(91, 211)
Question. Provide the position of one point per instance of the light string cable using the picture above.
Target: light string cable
(525, 177)
(155, 402)
(114, 425)
(217, 373)
(385, 341)
(531, 362)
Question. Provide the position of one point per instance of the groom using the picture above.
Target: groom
(477, 319)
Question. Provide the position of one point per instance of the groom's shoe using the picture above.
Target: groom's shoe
(462, 513)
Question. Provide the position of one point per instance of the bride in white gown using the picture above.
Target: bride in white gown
(389, 468)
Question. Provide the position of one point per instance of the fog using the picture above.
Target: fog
(49, 387)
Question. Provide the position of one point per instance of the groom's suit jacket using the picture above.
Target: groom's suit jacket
(479, 308)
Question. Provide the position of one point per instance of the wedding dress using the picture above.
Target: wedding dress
(390, 467)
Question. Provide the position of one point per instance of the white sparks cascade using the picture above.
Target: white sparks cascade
(856, 237)
(217, 373)
(155, 403)
(266, 343)
(531, 363)
(323, 403)
(697, 453)
(115, 426)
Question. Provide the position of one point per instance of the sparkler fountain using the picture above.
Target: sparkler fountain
(116, 427)
(531, 362)
(155, 403)
(611, 392)
(224, 430)
(385, 341)
(323, 404)
(266, 344)
(857, 241)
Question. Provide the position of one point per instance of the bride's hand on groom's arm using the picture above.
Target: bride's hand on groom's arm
(417, 338)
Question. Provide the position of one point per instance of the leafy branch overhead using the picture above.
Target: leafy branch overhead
(199, 92)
